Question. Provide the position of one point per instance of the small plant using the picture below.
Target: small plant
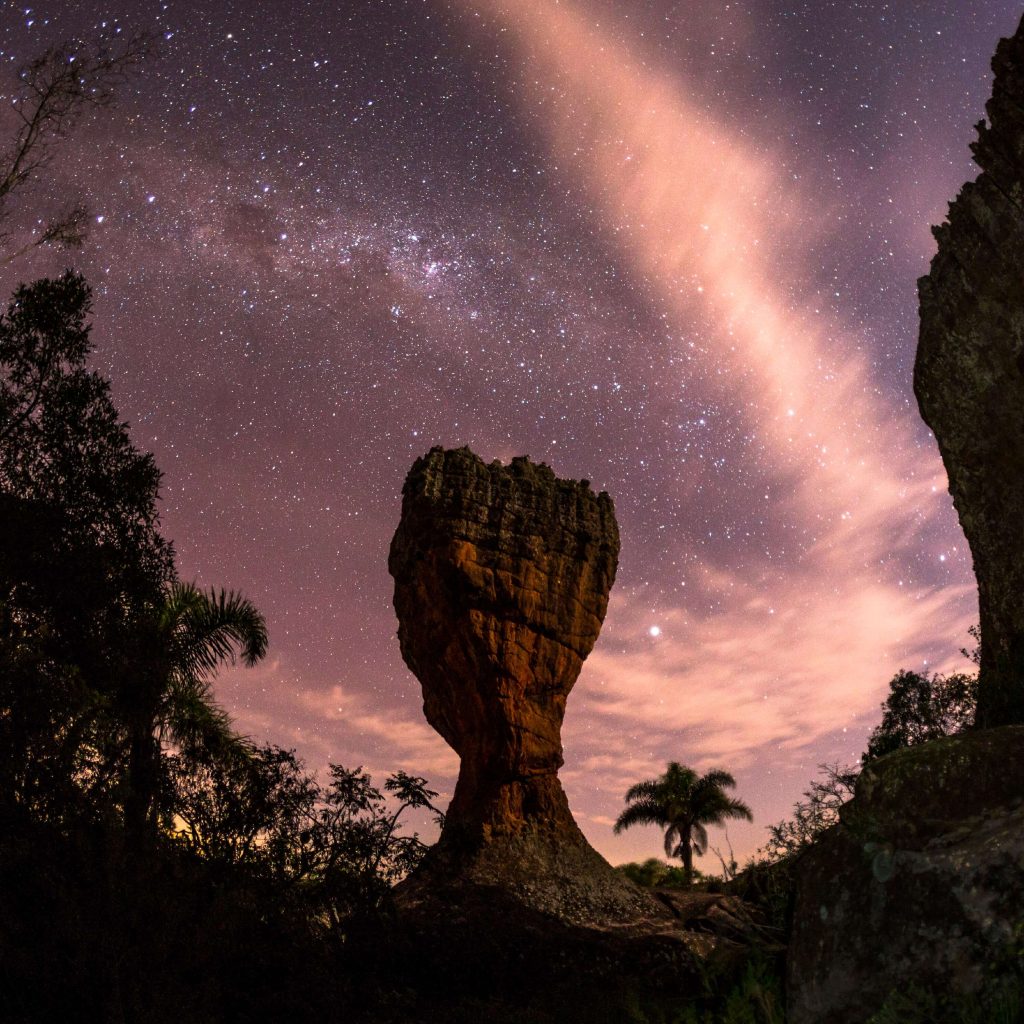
(757, 998)
(818, 811)
(653, 872)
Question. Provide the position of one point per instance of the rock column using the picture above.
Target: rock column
(502, 575)
(969, 379)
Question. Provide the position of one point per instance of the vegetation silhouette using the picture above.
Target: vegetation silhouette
(684, 804)
(922, 707)
(145, 844)
(181, 642)
(81, 561)
(814, 814)
(654, 872)
(52, 94)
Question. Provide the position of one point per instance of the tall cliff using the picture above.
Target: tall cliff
(969, 378)
(913, 903)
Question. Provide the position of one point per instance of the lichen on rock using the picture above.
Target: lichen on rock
(919, 886)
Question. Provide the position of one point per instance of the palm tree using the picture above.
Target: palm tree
(182, 643)
(683, 803)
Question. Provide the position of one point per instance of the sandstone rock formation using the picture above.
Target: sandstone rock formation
(969, 379)
(920, 889)
(915, 901)
(502, 575)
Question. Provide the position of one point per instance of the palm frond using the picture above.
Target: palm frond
(700, 838)
(673, 841)
(212, 629)
(678, 778)
(643, 812)
(196, 723)
(648, 789)
(736, 809)
(717, 779)
(181, 600)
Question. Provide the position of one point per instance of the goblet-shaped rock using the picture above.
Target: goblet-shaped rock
(502, 576)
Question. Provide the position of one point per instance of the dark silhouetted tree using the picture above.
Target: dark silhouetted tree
(180, 643)
(246, 806)
(922, 707)
(684, 804)
(334, 848)
(61, 441)
(81, 557)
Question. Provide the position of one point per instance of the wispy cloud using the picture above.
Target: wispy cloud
(412, 744)
(762, 655)
(334, 723)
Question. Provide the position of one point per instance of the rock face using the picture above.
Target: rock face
(502, 575)
(969, 379)
(921, 884)
(915, 901)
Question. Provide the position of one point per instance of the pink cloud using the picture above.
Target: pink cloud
(757, 664)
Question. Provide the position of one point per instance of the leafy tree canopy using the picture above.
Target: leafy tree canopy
(654, 872)
(62, 442)
(922, 707)
(81, 557)
(334, 846)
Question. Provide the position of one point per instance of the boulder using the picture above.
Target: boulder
(920, 888)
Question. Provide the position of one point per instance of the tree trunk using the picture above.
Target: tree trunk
(686, 851)
(141, 783)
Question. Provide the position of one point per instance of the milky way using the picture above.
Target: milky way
(669, 247)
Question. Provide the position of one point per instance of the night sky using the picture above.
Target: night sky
(670, 247)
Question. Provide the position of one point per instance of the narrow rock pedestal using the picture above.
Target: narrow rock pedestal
(502, 575)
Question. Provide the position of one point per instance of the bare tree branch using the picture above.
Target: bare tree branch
(67, 231)
(55, 91)
(729, 868)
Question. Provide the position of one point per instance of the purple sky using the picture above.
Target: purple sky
(671, 249)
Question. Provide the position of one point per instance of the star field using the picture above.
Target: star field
(668, 247)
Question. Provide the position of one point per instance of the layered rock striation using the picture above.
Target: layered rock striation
(502, 575)
(969, 378)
